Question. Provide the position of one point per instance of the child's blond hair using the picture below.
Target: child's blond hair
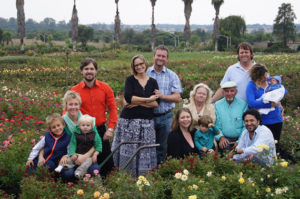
(205, 120)
(53, 117)
(86, 118)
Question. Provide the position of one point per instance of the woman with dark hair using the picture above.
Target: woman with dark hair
(136, 120)
(181, 139)
(255, 89)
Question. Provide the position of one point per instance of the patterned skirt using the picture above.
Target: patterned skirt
(135, 130)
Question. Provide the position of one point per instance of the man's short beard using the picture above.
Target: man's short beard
(89, 80)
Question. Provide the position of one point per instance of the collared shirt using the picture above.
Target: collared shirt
(230, 117)
(262, 135)
(168, 83)
(240, 76)
(95, 101)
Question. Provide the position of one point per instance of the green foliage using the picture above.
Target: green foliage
(278, 47)
(43, 185)
(284, 27)
(213, 177)
(1, 35)
(13, 159)
(234, 27)
(2, 52)
(85, 34)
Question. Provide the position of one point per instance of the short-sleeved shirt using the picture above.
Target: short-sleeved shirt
(168, 83)
(240, 76)
(133, 88)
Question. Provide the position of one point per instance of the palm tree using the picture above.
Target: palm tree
(153, 29)
(117, 23)
(74, 21)
(187, 14)
(21, 22)
(217, 4)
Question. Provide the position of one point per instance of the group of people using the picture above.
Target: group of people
(79, 141)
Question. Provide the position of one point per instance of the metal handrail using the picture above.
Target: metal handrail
(135, 153)
(111, 154)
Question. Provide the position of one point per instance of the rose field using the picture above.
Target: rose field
(31, 87)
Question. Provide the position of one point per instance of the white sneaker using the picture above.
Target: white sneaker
(77, 175)
(59, 168)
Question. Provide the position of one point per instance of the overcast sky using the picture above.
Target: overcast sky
(139, 11)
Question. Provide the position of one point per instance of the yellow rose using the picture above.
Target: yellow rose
(190, 187)
(138, 183)
(268, 190)
(195, 187)
(284, 164)
(241, 180)
(80, 192)
(106, 195)
(97, 194)
(141, 178)
(266, 147)
(223, 178)
(193, 197)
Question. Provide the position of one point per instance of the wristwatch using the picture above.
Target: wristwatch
(111, 130)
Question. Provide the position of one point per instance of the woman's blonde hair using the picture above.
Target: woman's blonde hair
(68, 96)
(175, 123)
(193, 93)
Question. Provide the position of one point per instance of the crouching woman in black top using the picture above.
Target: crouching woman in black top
(181, 139)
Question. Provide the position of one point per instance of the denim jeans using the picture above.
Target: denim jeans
(50, 164)
(162, 128)
(68, 175)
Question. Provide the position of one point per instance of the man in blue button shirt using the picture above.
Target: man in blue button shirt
(229, 112)
(238, 72)
(168, 93)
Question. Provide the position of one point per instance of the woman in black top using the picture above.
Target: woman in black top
(136, 120)
(181, 139)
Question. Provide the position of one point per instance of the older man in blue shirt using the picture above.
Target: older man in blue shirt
(257, 142)
(168, 93)
(229, 112)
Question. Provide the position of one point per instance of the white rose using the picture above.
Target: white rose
(184, 177)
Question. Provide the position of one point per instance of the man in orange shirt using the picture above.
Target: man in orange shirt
(96, 96)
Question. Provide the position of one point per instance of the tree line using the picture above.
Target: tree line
(226, 32)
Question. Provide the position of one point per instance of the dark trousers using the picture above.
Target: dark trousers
(228, 148)
(276, 131)
(107, 168)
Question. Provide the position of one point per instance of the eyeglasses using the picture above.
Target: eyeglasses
(139, 64)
